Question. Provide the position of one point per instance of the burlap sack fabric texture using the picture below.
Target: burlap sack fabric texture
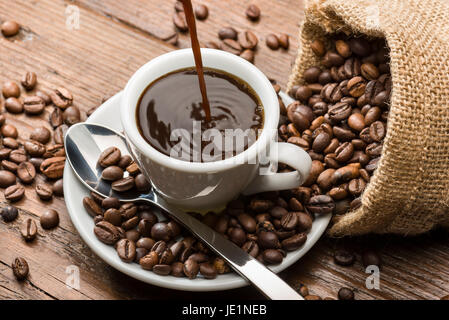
(409, 192)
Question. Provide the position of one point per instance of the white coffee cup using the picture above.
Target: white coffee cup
(202, 186)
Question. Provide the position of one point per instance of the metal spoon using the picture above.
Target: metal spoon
(83, 144)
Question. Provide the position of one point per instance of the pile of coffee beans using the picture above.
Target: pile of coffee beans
(265, 226)
(340, 118)
(22, 159)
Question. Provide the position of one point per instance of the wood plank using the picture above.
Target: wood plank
(155, 18)
(95, 62)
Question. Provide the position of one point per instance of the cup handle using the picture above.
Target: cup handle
(292, 156)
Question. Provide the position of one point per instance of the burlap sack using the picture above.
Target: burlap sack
(409, 192)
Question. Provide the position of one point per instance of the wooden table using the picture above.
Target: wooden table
(114, 39)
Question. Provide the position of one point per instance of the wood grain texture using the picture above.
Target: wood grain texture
(94, 62)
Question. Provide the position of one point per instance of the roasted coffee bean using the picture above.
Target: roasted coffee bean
(43, 191)
(133, 169)
(345, 294)
(191, 268)
(248, 40)
(339, 193)
(268, 240)
(377, 131)
(300, 115)
(253, 12)
(303, 93)
(318, 48)
(248, 55)
(272, 41)
(149, 261)
(247, 222)
(272, 256)
(44, 96)
(109, 157)
(10, 89)
(112, 173)
(374, 149)
(331, 92)
(160, 231)
(34, 148)
(344, 152)
(289, 221)
(369, 71)
(212, 45)
(62, 98)
(201, 12)
(142, 184)
(10, 166)
(344, 258)
(128, 210)
(177, 269)
(20, 268)
(53, 168)
(343, 48)
(10, 28)
(56, 117)
(33, 105)
(29, 80)
(227, 33)
(372, 115)
(294, 242)
(110, 202)
(321, 142)
(324, 180)
(162, 269)
(167, 257)
(311, 74)
(13, 105)
(356, 186)
(356, 86)
(356, 121)
(41, 134)
(26, 172)
(159, 247)
(123, 185)
(140, 253)
(130, 223)
(304, 222)
(284, 41)
(6, 179)
(132, 234)
(237, 235)
(146, 243)
(71, 115)
(9, 213)
(125, 161)
(351, 68)
(360, 46)
(251, 247)
(126, 250)
(260, 205)
(56, 150)
(59, 134)
(58, 188)
(14, 193)
(106, 232)
(18, 156)
(321, 204)
(113, 216)
(346, 173)
(28, 230)
(50, 219)
(10, 143)
(8, 130)
(144, 227)
(370, 257)
(232, 46)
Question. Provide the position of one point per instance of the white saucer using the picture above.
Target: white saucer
(108, 115)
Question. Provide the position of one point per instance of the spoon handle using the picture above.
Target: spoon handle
(249, 268)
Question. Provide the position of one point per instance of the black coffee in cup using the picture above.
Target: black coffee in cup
(171, 119)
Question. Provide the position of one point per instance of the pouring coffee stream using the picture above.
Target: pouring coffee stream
(190, 17)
